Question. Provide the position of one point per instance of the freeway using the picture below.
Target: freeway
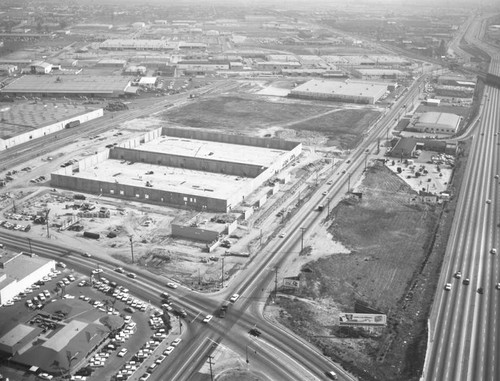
(464, 335)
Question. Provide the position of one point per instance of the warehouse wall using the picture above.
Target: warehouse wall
(190, 133)
(40, 132)
(187, 162)
(142, 194)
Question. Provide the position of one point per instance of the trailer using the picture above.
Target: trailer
(72, 124)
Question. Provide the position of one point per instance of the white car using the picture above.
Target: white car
(169, 350)
(122, 352)
(447, 287)
(176, 342)
(234, 298)
(45, 376)
(493, 251)
(87, 255)
(207, 318)
(171, 285)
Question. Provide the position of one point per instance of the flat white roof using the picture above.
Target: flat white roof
(171, 179)
(342, 88)
(147, 80)
(440, 118)
(213, 150)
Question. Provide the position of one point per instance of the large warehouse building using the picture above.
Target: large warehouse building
(341, 91)
(20, 271)
(68, 85)
(181, 167)
(22, 122)
(438, 123)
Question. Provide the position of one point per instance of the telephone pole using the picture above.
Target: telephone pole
(328, 207)
(349, 182)
(275, 282)
(302, 239)
(131, 248)
(222, 275)
(47, 221)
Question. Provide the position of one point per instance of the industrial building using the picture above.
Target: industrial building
(189, 168)
(341, 91)
(68, 85)
(379, 74)
(202, 65)
(132, 44)
(22, 122)
(438, 123)
(448, 80)
(454, 91)
(19, 271)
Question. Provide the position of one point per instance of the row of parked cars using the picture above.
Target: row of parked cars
(147, 350)
(11, 226)
(37, 301)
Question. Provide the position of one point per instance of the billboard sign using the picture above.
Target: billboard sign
(290, 282)
(352, 319)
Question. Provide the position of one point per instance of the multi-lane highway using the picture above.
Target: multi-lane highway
(464, 336)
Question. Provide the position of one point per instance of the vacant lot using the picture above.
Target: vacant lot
(339, 125)
(390, 239)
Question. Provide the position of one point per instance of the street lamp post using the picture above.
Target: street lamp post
(29, 243)
(131, 248)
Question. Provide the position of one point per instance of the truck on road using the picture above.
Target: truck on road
(223, 308)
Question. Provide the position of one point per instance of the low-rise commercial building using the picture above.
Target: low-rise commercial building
(22, 122)
(438, 123)
(19, 271)
(68, 85)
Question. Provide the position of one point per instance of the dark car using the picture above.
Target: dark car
(480, 290)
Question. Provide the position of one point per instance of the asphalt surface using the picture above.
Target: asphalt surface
(464, 335)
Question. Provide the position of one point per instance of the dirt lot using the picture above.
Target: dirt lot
(396, 249)
(327, 123)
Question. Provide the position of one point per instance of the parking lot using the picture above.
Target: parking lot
(138, 343)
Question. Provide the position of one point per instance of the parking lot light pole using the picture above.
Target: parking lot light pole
(131, 248)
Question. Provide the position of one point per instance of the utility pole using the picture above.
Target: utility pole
(328, 207)
(29, 242)
(222, 275)
(366, 158)
(275, 282)
(131, 247)
(260, 238)
(47, 221)
(180, 325)
(302, 239)
(246, 353)
(349, 182)
(210, 363)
